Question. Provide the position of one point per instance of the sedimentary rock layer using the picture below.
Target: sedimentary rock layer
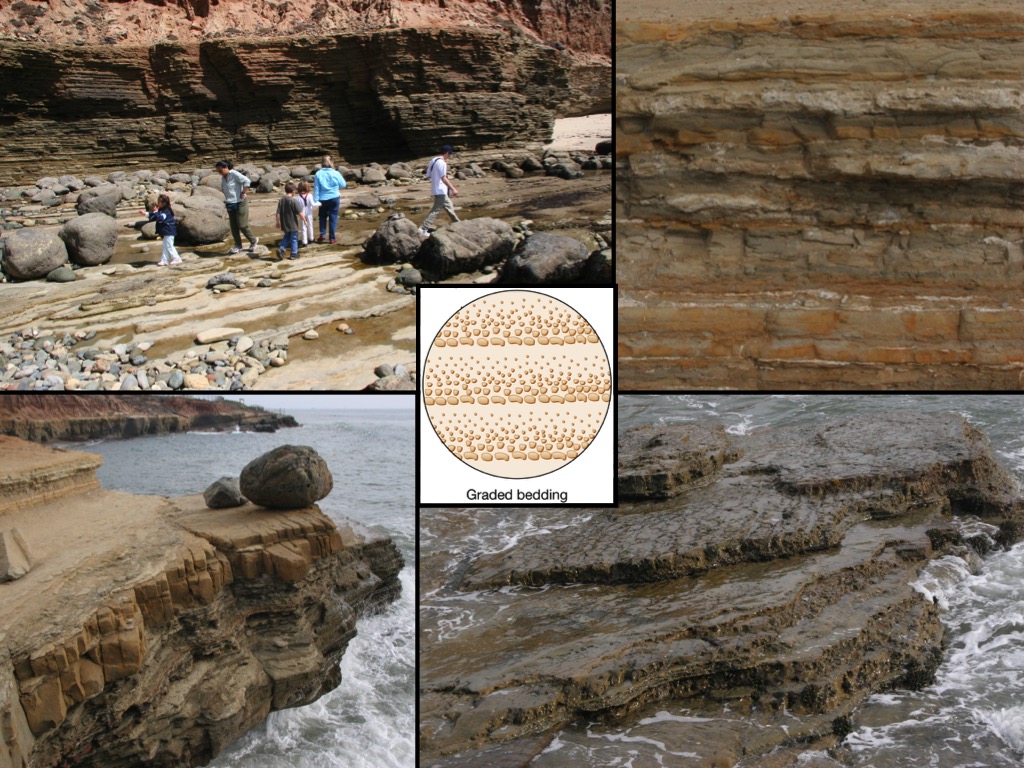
(821, 202)
(161, 630)
(88, 417)
(371, 96)
(774, 582)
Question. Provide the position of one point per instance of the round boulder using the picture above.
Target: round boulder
(33, 253)
(90, 239)
(224, 493)
(400, 171)
(396, 240)
(566, 170)
(546, 259)
(202, 219)
(288, 477)
(101, 199)
(61, 275)
(466, 246)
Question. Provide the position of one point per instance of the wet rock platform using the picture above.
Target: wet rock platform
(760, 585)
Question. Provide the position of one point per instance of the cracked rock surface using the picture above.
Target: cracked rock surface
(773, 582)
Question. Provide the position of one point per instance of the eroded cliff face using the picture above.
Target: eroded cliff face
(816, 202)
(162, 630)
(751, 593)
(88, 417)
(379, 88)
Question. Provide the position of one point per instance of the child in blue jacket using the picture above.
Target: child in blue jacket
(167, 228)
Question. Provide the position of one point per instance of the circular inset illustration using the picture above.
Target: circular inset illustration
(516, 384)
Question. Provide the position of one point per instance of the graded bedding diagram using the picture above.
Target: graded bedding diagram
(517, 384)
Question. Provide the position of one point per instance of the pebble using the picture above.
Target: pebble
(32, 359)
(311, 335)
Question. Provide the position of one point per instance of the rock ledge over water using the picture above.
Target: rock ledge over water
(756, 590)
(158, 630)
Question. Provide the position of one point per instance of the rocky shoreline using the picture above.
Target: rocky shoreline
(164, 629)
(162, 314)
(100, 416)
(747, 597)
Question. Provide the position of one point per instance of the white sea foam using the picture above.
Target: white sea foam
(667, 717)
(1008, 725)
(745, 426)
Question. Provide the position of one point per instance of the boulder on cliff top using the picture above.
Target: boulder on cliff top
(33, 253)
(546, 259)
(466, 246)
(90, 238)
(15, 560)
(288, 477)
(396, 240)
(224, 492)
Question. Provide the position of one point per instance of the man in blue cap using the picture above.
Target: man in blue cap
(437, 172)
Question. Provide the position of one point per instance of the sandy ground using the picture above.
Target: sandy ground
(732, 10)
(580, 132)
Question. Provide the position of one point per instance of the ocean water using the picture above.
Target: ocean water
(368, 721)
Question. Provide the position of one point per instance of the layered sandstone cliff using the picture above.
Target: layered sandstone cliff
(161, 630)
(821, 198)
(753, 591)
(88, 417)
(366, 83)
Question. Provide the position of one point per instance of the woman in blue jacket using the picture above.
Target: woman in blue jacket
(326, 185)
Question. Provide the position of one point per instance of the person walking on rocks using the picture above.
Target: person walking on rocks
(167, 228)
(234, 184)
(326, 184)
(289, 215)
(437, 172)
(306, 233)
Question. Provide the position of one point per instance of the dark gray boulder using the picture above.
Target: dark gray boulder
(61, 275)
(466, 246)
(288, 477)
(546, 259)
(224, 493)
(396, 240)
(566, 170)
(90, 238)
(600, 268)
(101, 199)
(33, 253)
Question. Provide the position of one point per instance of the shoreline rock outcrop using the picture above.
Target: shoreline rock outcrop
(163, 629)
(88, 417)
(405, 93)
(768, 574)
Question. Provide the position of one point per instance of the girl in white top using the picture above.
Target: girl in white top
(306, 230)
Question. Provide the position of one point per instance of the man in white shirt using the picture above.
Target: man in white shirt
(437, 172)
